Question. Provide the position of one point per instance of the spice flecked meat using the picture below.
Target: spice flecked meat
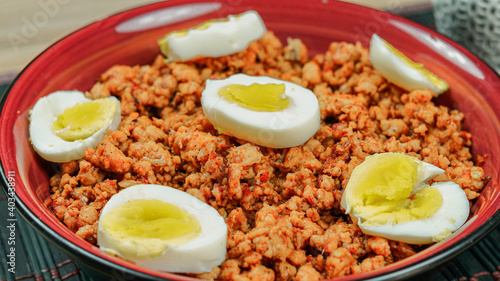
(282, 206)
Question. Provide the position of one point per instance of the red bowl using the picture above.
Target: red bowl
(76, 61)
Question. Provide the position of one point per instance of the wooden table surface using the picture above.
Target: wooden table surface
(27, 27)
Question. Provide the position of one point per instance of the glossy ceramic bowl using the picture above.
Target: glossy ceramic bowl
(130, 38)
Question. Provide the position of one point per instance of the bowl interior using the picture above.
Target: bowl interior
(131, 38)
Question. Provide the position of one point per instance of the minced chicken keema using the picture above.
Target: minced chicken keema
(282, 206)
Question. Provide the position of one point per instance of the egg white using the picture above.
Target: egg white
(425, 172)
(400, 70)
(220, 38)
(289, 127)
(197, 255)
(451, 215)
(50, 146)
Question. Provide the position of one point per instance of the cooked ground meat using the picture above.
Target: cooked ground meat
(282, 206)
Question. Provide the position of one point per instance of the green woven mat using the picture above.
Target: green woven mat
(35, 259)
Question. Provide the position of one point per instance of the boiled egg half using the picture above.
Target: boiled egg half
(400, 70)
(260, 109)
(65, 123)
(214, 38)
(388, 196)
(162, 228)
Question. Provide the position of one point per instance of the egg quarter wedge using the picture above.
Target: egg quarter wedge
(388, 195)
(45, 139)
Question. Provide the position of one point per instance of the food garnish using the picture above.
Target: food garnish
(263, 110)
(65, 123)
(163, 228)
(402, 71)
(388, 196)
(214, 38)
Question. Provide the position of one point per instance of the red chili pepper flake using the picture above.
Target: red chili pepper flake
(264, 176)
(353, 250)
(336, 126)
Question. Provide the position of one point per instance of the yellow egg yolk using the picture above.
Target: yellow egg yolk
(83, 120)
(258, 97)
(385, 192)
(151, 223)
(440, 84)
